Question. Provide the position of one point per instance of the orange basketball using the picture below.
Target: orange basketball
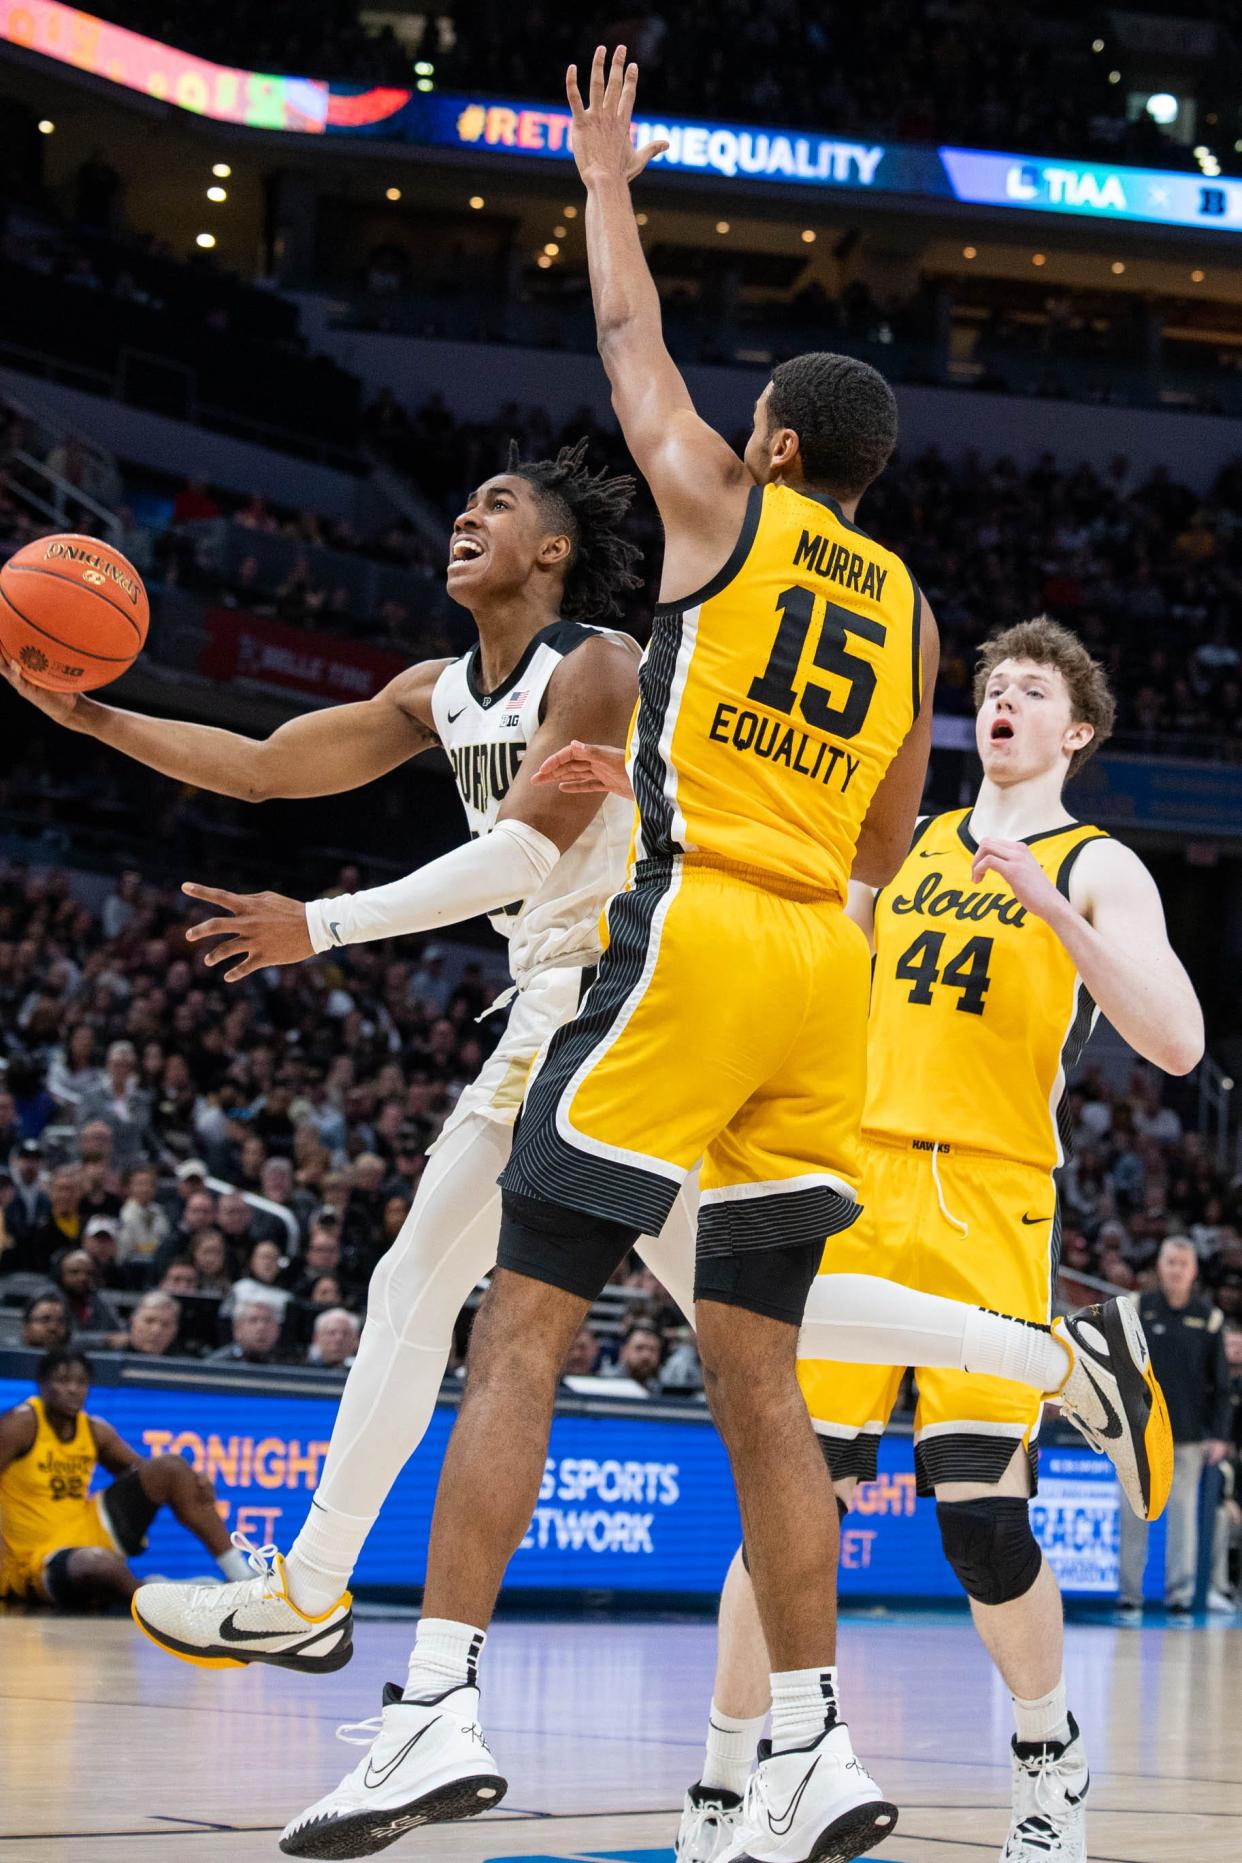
(73, 613)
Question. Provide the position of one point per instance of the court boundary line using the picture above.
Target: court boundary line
(201, 1828)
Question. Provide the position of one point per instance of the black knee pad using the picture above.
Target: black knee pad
(990, 1546)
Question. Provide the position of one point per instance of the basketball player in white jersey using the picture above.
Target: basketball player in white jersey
(533, 545)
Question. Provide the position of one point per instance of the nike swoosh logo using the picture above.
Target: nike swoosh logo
(334, 926)
(1035, 1219)
(374, 1781)
(454, 716)
(231, 1634)
(934, 854)
(1110, 1429)
(781, 1827)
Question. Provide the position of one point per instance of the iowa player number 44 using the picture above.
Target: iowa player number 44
(967, 972)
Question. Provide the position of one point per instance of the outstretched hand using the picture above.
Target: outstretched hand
(58, 705)
(586, 770)
(601, 137)
(266, 928)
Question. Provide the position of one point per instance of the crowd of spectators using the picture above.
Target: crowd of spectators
(183, 336)
(1146, 570)
(142, 1104)
(960, 71)
(194, 1171)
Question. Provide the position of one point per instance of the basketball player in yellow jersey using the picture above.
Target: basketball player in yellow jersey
(780, 742)
(1007, 929)
(61, 1544)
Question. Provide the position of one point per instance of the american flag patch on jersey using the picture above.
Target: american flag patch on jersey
(515, 698)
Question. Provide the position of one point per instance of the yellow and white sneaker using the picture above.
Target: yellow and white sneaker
(1112, 1396)
(254, 1620)
(426, 1763)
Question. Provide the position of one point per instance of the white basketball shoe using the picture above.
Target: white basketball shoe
(254, 1620)
(812, 1804)
(709, 1820)
(1050, 1786)
(1112, 1396)
(427, 1763)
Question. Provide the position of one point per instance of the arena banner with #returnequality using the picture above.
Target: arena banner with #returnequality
(734, 152)
(630, 1504)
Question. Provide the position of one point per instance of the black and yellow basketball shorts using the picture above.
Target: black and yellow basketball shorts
(726, 1028)
(973, 1228)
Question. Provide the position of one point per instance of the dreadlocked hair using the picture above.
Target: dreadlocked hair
(588, 508)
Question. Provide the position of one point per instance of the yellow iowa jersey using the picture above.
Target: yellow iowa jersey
(774, 700)
(46, 1492)
(978, 1016)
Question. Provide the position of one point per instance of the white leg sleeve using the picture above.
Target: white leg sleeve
(446, 1245)
(859, 1319)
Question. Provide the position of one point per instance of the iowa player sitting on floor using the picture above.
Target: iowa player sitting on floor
(59, 1543)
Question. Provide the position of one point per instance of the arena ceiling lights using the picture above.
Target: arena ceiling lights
(503, 128)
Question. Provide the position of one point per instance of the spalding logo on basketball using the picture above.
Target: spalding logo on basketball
(73, 612)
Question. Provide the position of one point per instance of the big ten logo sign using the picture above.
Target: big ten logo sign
(889, 1495)
(266, 1463)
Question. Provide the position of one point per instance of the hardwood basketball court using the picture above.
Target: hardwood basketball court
(111, 1753)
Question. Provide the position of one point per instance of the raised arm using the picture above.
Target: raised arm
(319, 754)
(593, 690)
(1112, 925)
(697, 480)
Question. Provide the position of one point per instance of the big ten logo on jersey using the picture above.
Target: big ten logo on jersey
(484, 772)
(512, 716)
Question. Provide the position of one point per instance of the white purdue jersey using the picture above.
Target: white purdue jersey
(485, 735)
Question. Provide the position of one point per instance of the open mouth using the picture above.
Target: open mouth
(464, 550)
(1002, 731)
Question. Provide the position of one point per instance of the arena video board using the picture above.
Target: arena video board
(502, 127)
(628, 1503)
(221, 92)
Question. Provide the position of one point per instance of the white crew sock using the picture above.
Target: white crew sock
(1015, 1349)
(858, 1319)
(445, 1655)
(234, 1564)
(321, 1560)
(804, 1702)
(731, 1747)
(1044, 1720)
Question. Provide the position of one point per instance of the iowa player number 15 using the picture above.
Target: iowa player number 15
(774, 687)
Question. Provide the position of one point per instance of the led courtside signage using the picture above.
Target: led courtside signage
(628, 1502)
